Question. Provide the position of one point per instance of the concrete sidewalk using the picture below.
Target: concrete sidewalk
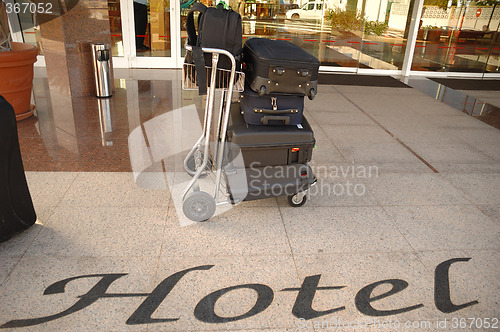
(402, 232)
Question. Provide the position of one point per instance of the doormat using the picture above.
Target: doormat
(467, 84)
(361, 80)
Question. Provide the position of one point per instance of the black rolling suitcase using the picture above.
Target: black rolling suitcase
(278, 66)
(270, 181)
(269, 145)
(272, 109)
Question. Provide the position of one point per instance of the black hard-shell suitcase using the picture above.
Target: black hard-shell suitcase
(279, 66)
(270, 145)
(270, 181)
(271, 109)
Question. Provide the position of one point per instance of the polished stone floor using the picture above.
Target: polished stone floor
(402, 228)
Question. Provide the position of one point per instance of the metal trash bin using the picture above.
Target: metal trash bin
(102, 70)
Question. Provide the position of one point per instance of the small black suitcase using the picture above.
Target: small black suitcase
(269, 145)
(272, 109)
(279, 66)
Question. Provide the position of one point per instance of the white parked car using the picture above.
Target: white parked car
(312, 10)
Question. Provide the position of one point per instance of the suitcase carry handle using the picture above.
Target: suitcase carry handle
(266, 111)
(265, 119)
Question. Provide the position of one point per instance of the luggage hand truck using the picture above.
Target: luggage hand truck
(201, 161)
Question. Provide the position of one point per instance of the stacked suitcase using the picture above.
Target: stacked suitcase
(268, 125)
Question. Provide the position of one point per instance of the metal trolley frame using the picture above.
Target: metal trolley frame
(200, 161)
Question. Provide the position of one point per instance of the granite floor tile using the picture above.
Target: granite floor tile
(468, 168)
(17, 245)
(8, 264)
(473, 276)
(352, 118)
(491, 150)
(22, 295)
(446, 227)
(443, 152)
(415, 167)
(492, 211)
(479, 188)
(489, 136)
(326, 153)
(48, 188)
(324, 103)
(376, 153)
(414, 189)
(334, 189)
(342, 230)
(114, 189)
(357, 134)
(237, 232)
(375, 104)
(423, 133)
(99, 232)
(190, 303)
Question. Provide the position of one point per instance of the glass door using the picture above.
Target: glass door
(150, 37)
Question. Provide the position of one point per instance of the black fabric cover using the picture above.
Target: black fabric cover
(16, 207)
(217, 28)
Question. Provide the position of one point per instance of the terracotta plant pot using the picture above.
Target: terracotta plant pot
(16, 78)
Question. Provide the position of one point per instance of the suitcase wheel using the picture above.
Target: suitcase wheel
(262, 91)
(312, 94)
(297, 200)
(199, 206)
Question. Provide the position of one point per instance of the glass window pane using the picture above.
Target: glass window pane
(115, 25)
(152, 28)
(351, 34)
(459, 37)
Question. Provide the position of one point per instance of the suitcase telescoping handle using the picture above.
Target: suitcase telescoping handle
(286, 111)
(265, 119)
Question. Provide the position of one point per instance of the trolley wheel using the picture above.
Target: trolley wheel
(262, 91)
(312, 94)
(199, 206)
(191, 168)
(296, 200)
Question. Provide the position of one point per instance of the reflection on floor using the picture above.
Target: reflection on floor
(91, 134)
(479, 107)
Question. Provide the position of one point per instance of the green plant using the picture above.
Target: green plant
(443, 4)
(375, 28)
(344, 19)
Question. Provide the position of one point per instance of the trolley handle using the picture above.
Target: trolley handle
(218, 51)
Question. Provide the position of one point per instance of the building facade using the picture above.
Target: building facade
(421, 37)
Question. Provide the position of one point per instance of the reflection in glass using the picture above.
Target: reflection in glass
(155, 40)
(341, 33)
(458, 36)
(115, 25)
